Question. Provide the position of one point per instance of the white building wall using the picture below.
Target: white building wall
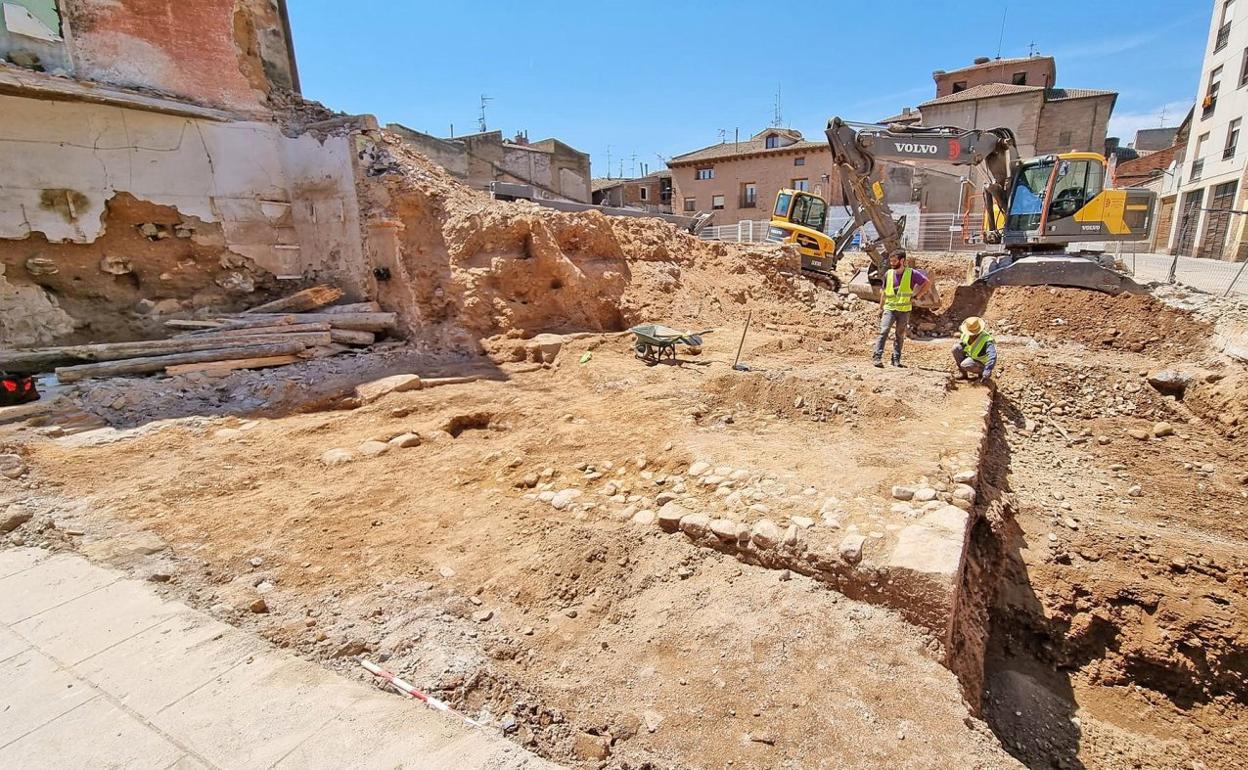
(1231, 105)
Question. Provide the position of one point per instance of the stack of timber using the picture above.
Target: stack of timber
(301, 326)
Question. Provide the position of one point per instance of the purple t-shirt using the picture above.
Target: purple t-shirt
(917, 279)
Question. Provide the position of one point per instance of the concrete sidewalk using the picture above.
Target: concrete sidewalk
(97, 671)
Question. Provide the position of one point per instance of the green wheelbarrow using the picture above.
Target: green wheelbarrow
(655, 342)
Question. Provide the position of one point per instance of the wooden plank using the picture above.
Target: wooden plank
(233, 364)
(157, 363)
(350, 337)
(354, 307)
(361, 322)
(229, 323)
(308, 299)
(48, 358)
(178, 323)
(279, 329)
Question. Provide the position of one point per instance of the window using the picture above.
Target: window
(1198, 162)
(782, 205)
(1027, 200)
(749, 195)
(1064, 140)
(1211, 95)
(802, 161)
(1243, 70)
(717, 201)
(800, 184)
(959, 86)
(691, 204)
(1224, 30)
(1077, 182)
(772, 141)
(1020, 79)
(810, 211)
(645, 193)
(705, 173)
(1232, 139)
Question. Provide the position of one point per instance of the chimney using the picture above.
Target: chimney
(982, 60)
(905, 110)
(521, 139)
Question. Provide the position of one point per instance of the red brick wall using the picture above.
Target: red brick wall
(198, 49)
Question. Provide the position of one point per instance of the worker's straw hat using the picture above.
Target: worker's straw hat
(973, 325)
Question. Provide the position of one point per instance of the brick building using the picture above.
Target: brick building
(1028, 71)
(736, 181)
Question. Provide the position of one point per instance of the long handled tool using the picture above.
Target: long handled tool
(736, 362)
(411, 692)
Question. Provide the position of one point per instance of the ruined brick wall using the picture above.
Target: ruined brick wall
(227, 53)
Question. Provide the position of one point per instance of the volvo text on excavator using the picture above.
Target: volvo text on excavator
(1034, 209)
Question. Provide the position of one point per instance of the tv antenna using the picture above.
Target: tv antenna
(1163, 116)
(1001, 38)
(633, 167)
(776, 118)
(608, 161)
(481, 120)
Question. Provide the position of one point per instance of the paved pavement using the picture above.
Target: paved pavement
(98, 671)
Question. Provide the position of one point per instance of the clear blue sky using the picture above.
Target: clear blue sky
(661, 78)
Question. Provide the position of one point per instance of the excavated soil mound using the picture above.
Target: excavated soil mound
(1125, 322)
(1224, 402)
(473, 267)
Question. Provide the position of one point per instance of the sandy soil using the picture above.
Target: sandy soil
(1108, 553)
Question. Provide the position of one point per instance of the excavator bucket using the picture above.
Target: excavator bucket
(1068, 270)
(862, 288)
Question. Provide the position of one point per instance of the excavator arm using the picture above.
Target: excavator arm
(856, 147)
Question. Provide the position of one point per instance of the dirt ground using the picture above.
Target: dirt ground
(490, 540)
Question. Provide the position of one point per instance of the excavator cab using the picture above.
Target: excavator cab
(801, 218)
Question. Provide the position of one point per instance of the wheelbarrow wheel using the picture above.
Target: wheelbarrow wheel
(642, 349)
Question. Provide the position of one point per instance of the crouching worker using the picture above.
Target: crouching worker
(975, 353)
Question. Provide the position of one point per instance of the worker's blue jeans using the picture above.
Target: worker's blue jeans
(898, 321)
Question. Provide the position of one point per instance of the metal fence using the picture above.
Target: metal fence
(951, 232)
(1210, 275)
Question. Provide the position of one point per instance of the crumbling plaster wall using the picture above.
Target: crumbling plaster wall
(286, 205)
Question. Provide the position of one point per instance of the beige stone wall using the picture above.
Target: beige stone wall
(1085, 120)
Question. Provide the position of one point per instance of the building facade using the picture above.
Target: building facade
(737, 181)
(1209, 175)
(652, 192)
(1027, 71)
(555, 169)
(1045, 119)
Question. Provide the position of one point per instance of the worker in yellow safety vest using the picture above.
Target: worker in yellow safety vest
(902, 286)
(975, 353)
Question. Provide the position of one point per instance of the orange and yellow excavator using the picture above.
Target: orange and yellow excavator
(1034, 209)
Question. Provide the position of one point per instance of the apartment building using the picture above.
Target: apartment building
(737, 181)
(1209, 175)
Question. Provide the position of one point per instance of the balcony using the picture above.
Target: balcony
(1224, 35)
(1229, 153)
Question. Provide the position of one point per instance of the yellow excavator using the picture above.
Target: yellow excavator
(1034, 209)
